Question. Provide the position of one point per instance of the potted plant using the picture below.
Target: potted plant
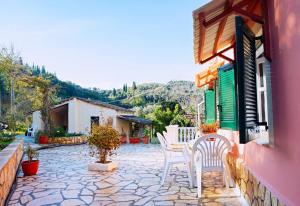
(209, 128)
(134, 140)
(123, 137)
(102, 141)
(42, 137)
(30, 166)
(145, 139)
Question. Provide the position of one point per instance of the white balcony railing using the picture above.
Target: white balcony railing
(181, 134)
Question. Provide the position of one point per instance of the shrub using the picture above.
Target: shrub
(31, 153)
(58, 132)
(102, 141)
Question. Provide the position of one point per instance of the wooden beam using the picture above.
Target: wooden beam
(222, 26)
(201, 36)
(226, 58)
(246, 14)
(227, 12)
(216, 54)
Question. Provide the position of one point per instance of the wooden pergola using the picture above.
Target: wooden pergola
(214, 27)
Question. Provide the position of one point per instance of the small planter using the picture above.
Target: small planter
(43, 139)
(134, 140)
(30, 167)
(123, 139)
(102, 167)
(145, 140)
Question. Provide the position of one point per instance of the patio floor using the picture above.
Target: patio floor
(63, 179)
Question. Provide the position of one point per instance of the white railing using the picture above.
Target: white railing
(185, 134)
(181, 134)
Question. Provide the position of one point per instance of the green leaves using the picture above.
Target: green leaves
(102, 141)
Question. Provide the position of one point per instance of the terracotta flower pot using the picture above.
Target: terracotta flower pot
(123, 139)
(43, 139)
(134, 140)
(145, 140)
(30, 168)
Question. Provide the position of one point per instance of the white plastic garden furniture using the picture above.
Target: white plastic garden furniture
(173, 157)
(209, 154)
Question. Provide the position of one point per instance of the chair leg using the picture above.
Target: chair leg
(166, 168)
(189, 172)
(199, 180)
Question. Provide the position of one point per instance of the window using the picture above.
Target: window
(94, 120)
(253, 88)
(261, 92)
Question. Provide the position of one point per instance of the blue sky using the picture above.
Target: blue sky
(104, 43)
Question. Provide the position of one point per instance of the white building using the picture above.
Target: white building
(76, 115)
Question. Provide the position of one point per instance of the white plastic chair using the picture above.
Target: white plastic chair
(172, 157)
(209, 154)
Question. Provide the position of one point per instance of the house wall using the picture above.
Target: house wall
(80, 113)
(122, 125)
(278, 167)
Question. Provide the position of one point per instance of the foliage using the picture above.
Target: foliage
(102, 141)
(31, 153)
(5, 139)
(209, 128)
(48, 92)
(166, 114)
(58, 132)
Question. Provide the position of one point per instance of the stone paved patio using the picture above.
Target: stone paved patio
(63, 179)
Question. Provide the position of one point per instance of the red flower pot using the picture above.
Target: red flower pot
(145, 140)
(134, 140)
(30, 168)
(43, 139)
(123, 140)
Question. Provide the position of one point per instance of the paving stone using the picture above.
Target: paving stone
(135, 182)
(70, 193)
(144, 200)
(87, 199)
(50, 199)
(25, 199)
(72, 202)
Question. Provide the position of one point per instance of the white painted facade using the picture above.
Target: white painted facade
(80, 113)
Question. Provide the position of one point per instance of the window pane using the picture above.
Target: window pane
(261, 75)
(263, 112)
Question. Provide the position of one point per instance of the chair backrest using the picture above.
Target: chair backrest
(162, 141)
(211, 149)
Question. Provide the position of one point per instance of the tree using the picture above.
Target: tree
(134, 87)
(114, 93)
(166, 114)
(47, 99)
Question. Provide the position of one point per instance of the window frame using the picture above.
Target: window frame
(261, 136)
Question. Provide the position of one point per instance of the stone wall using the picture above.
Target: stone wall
(67, 140)
(254, 192)
(10, 158)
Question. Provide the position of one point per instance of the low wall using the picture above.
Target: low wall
(67, 140)
(10, 158)
(254, 192)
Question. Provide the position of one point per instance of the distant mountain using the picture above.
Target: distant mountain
(135, 96)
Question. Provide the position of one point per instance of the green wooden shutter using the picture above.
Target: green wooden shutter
(227, 98)
(246, 77)
(210, 106)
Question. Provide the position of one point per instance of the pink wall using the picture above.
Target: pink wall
(279, 167)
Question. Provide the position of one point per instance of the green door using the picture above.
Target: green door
(227, 98)
(210, 106)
